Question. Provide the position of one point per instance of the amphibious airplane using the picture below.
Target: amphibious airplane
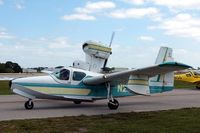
(191, 76)
(84, 82)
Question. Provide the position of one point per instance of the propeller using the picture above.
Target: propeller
(111, 41)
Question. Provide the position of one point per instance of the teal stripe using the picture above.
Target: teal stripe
(50, 85)
(139, 79)
(174, 64)
(159, 89)
(155, 81)
(100, 91)
(158, 79)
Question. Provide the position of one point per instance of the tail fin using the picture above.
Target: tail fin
(162, 82)
(164, 55)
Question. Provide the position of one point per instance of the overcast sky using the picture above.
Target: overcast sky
(51, 32)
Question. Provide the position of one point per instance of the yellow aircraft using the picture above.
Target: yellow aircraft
(191, 76)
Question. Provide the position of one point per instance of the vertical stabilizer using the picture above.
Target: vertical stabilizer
(164, 55)
(163, 82)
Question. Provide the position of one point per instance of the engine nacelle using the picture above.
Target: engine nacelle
(96, 54)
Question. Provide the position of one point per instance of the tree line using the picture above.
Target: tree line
(10, 67)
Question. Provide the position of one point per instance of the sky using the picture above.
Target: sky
(51, 32)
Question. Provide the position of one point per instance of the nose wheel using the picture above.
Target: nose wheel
(29, 104)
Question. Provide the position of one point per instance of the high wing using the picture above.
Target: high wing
(122, 77)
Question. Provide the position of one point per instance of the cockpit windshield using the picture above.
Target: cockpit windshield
(62, 74)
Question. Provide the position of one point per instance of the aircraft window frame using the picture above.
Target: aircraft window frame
(80, 77)
(62, 75)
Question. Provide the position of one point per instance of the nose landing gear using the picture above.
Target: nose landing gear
(29, 104)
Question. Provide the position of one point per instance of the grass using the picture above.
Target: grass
(173, 121)
(4, 88)
(182, 84)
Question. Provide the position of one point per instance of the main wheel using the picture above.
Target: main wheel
(113, 104)
(28, 105)
(77, 102)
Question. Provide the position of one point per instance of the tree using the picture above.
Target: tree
(10, 67)
(9, 64)
(2, 68)
(17, 68)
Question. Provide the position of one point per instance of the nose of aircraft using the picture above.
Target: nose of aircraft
(27, 82)
(33, 80)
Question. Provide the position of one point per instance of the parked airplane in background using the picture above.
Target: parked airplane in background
(191, 76)
(87, 82)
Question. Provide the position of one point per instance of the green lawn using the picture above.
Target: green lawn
(182, 84)
(4, 88)
(172, 121)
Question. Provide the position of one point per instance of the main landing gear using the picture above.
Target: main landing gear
(112, 103)
(29, 104)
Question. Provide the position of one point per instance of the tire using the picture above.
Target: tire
(77, 102)
(28, 105)
(113, 105)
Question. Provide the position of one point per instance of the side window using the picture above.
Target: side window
(64, 74)
(57, 74)
(77, 76)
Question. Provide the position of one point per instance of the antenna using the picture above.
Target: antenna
(111, 39)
